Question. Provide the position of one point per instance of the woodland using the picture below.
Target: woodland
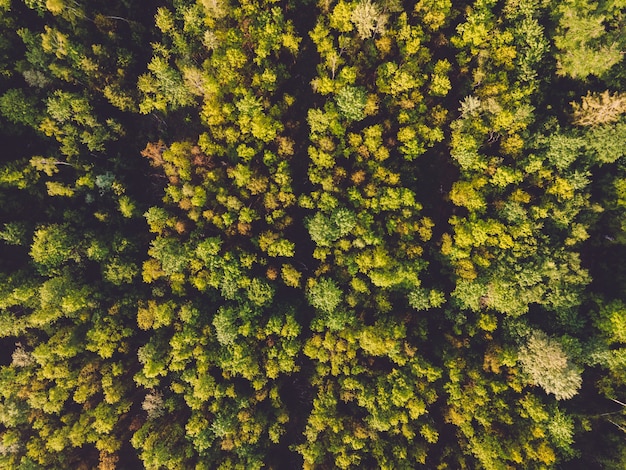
(318, 234)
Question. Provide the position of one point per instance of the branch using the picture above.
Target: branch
(620, 427)
(617, 401)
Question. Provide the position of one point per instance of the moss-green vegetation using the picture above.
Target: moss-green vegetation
(242, 234)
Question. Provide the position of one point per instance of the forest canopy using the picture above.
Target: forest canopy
(244, 234)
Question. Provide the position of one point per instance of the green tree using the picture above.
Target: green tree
(585, 46)
(351, 102)
(53, 246)
(548, 366)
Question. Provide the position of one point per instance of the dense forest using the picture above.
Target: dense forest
(319, 234)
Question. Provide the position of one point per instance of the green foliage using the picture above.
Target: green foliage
(19, 108)
(585, 47)
(548, 366)
(326, 230)
(52, 247)
(396, 244)
(71, 121)
(351, 102)
(434, 13)
(324, 295)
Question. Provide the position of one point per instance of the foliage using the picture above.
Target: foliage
(547, 365)
(598, 109)
(332, 234)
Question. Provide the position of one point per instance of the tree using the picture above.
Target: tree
(53, 246)
(411, 264)
(585, 47)
(368, 19)
(548, 366)
(351, 102)
(434, 13)
(19, 108)
(599, 108)
(324, 295)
